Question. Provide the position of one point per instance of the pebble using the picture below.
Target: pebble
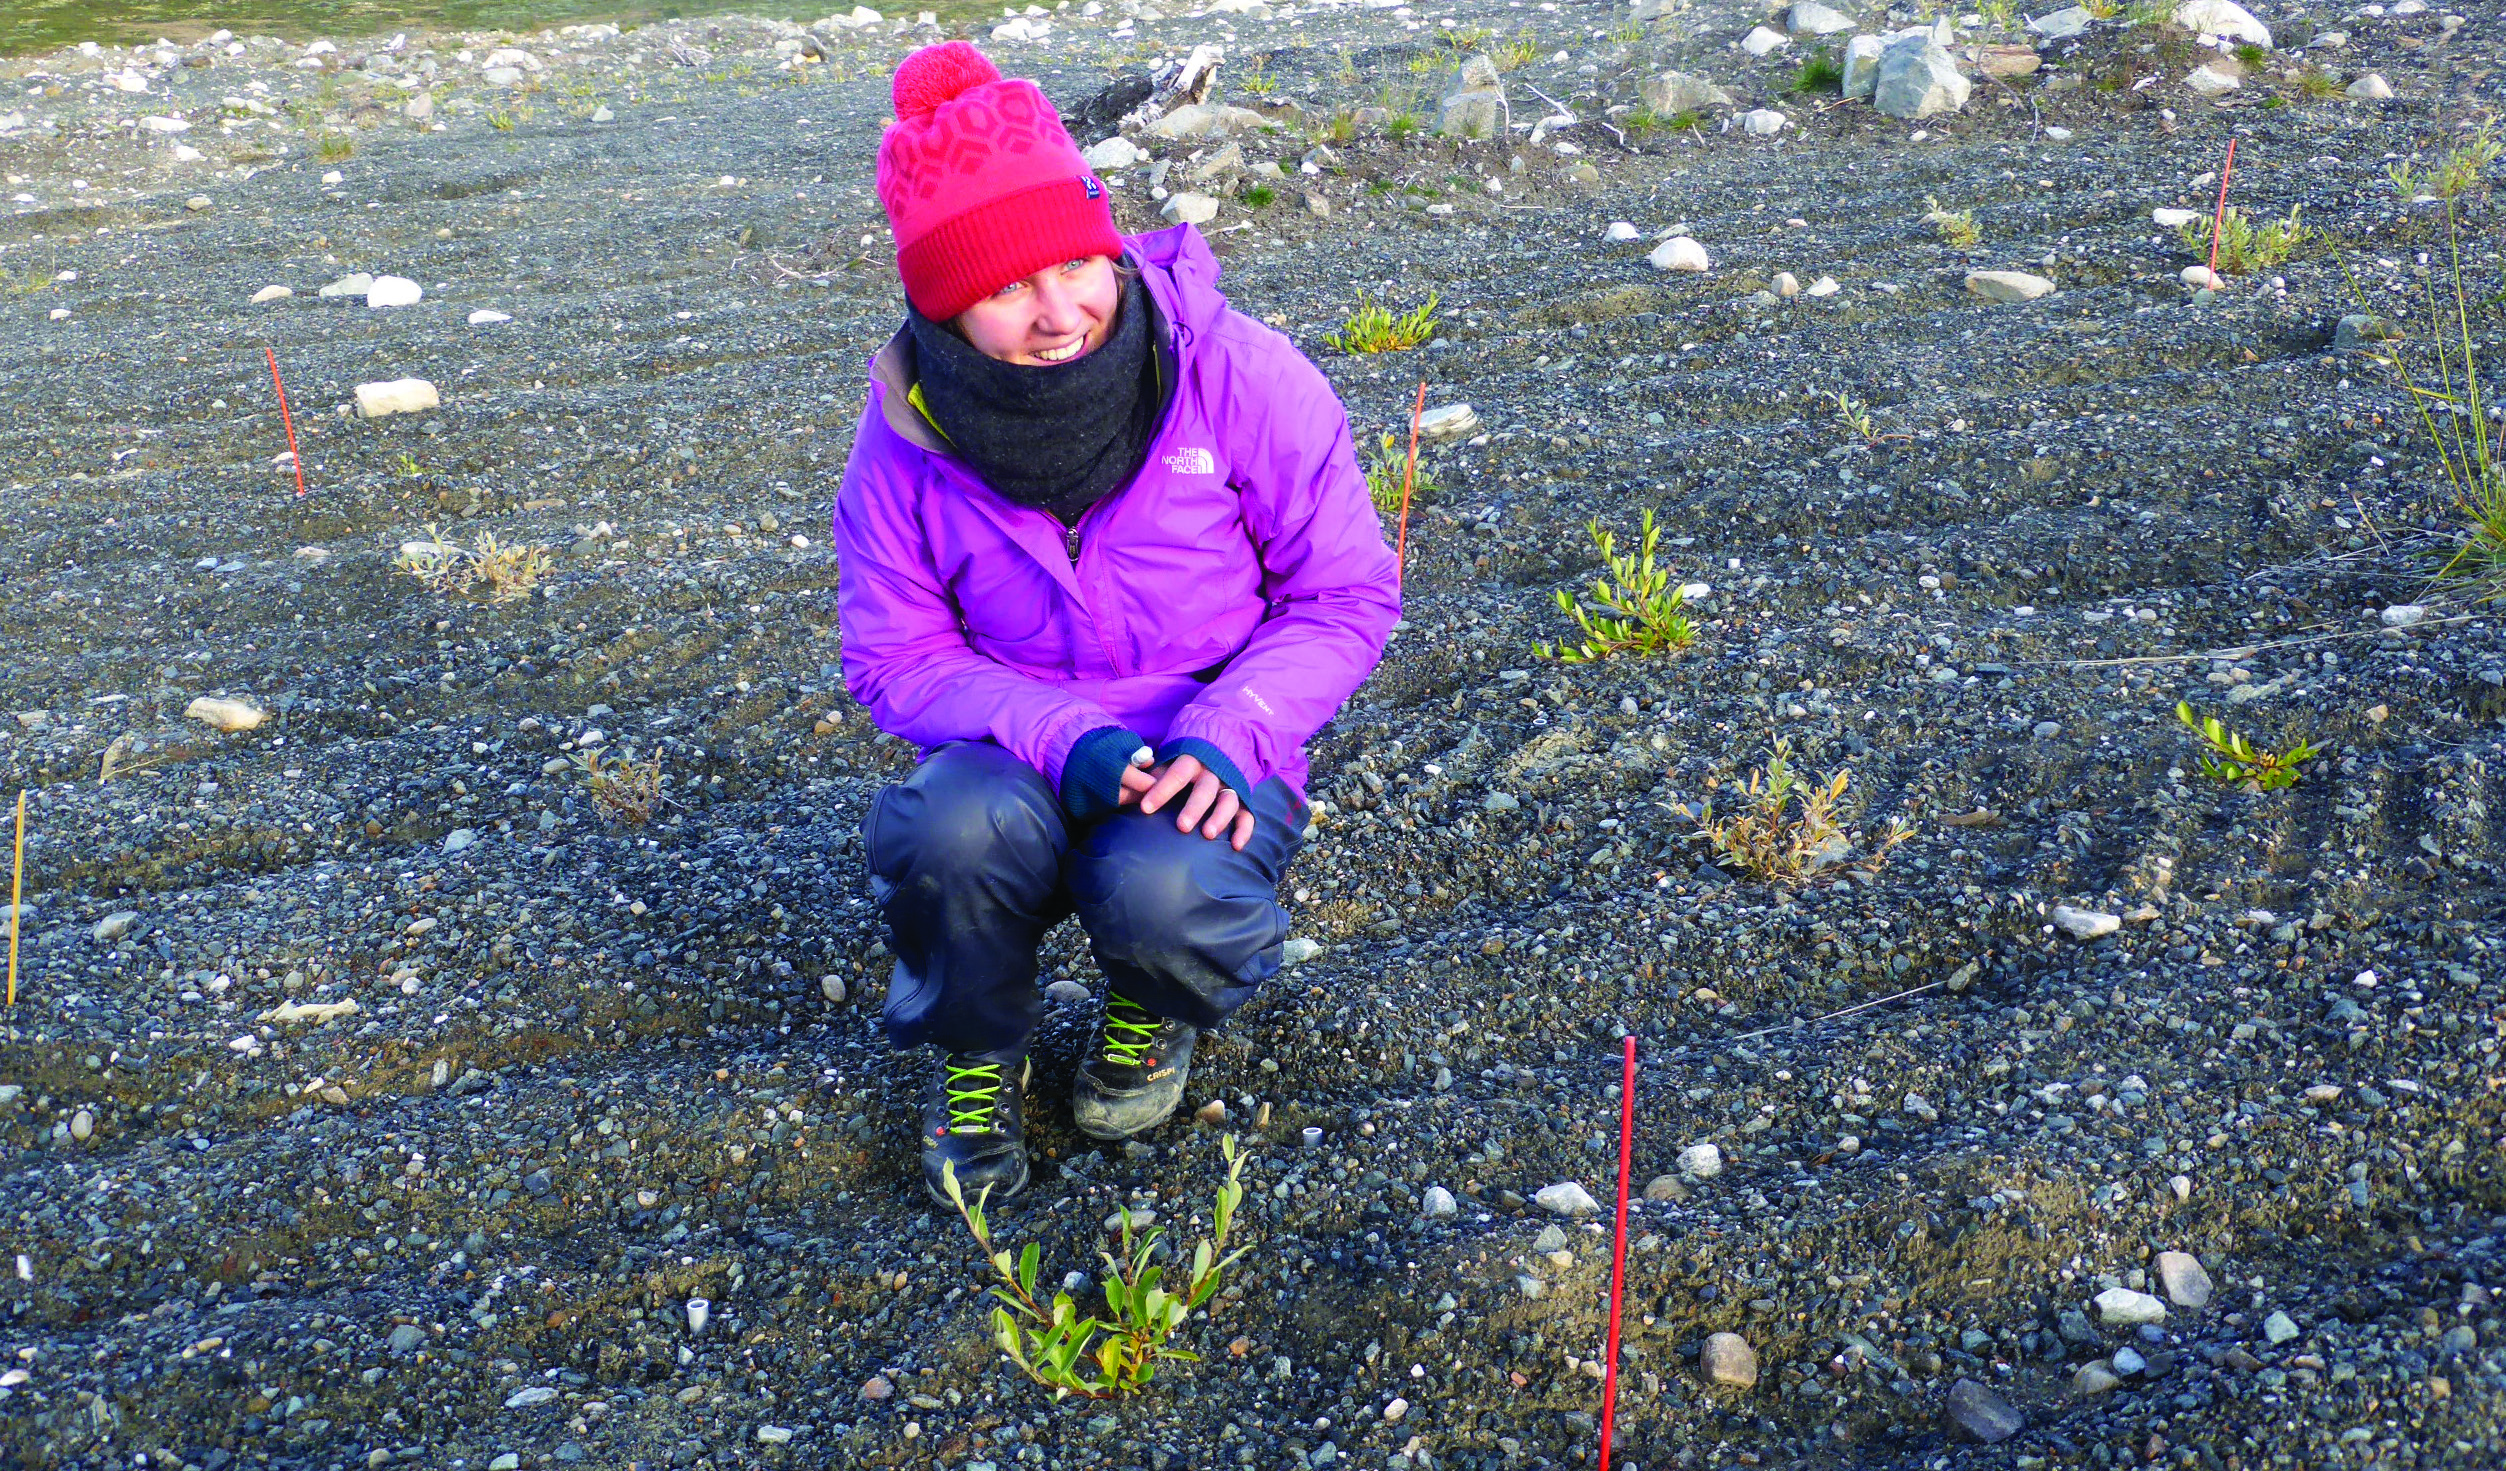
(1212, 1113)
(1981, 1413)
(2085, 924)
(272, 293)
(1438, 1204)
(407, 1338)
(2371, 88)
(2404, 615)
(2173, 219)
(2093, 1379)
(2188, 1286)
(2279, 1328)
(350, 285)
(393, 291)
(115, 925)
(1620, 230)
(1763, 122)
(1299, 949)
(1447, 423)
(1566, 1198)
(197, 203)
(773, 1435)
(1701, 1161)
(1550, 1239)
(2124, 1306)
(485, 318)
(2209, 81)
(1394, 1410)
(2007, 286)
(396, 396)
(1761, 41)
(523, 1399)
(2202, 278)
(1679, 253)
(509, 1461)
(82, 1126)
(1067, 993)
(2128, 1362)
(226, 715)
(876, 1387)
(1727, 1359)
(2224, 18)
(1823, 286)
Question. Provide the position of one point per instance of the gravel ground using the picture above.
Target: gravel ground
(593, 1072)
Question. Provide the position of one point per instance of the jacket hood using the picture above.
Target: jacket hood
(1175, 265)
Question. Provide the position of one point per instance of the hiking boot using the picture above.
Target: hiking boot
(973, 1117)
(1132, 1081)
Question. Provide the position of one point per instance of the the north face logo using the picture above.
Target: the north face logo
(1192, 462)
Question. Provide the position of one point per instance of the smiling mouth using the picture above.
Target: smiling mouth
(1062, 354)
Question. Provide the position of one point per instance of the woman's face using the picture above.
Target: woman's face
(1059, 314)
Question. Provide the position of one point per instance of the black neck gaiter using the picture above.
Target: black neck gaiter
(1054, 437)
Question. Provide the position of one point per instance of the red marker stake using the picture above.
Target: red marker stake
(294, 459)
(2219, 217)
(1618, 1252)
(1409, 476)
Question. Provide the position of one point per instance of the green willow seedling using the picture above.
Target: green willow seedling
(1371, 328)
(2239, 761)
(1102, 1358)
(1639, 605)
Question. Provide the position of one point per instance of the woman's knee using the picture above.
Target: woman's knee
(970, 808)
(1173, 892)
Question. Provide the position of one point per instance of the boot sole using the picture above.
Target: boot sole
(1096, 1130)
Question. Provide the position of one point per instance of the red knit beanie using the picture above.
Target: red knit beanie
(980, 182)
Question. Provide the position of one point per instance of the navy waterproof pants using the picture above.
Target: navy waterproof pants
(972, 860)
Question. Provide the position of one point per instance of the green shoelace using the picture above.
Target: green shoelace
(1127, 1040)
(973, 1088)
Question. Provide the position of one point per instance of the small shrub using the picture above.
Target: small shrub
(1518, 53)
(1384, 473)
(2103, 9)
(1403, 125)
(626, 791)
(1955, 227)
(1855, 415)
(2149, 13)
(492, 570)
(2236, 760)
(2245, 247)
(2251, 56)
(407, 466)
(1820, 72)
(332, 147)
(1640, 607)
(1629, 34)
(2001, 16)
(1787, 829)
(1371, 328)
(1259, 196)
(1341, 127)
(1101, 1358)
(1257, 80)
(500, 120)
(2458, 173)
(1424, 63)
(2317, 85)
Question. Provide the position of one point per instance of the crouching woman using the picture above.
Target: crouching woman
(1108, 559)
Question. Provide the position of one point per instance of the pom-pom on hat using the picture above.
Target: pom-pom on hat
(980, 182)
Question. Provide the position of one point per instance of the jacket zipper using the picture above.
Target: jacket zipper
(1070, 540)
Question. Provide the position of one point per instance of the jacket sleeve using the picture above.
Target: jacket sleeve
(906, 656)
(1327, 574)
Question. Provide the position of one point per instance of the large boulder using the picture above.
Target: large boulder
(1673, 93)
(2224, 18)
(1917, 77)
(1474, 106)
(1862, 56)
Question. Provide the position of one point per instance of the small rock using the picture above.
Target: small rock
(1823, 286)
(2124, 1306)
(393, 291)
(1299, 949)
(2279, 1328)
(1114, 153)
(1761, 42)
(1787, 284)
(1763, 122)
(2007, 286)
(460, 838)
(2007, 61)
(1810, 18)
(1566, 1198)
(2062, 24)
(1438, 1204)
(2202, 278)
(832, 988)
(1208, 120)
(226, 715)
(486, 318)
(1449, 423)
(2404, 615)
(354, 284)
(397, 396)
(115, 925)
(1679, 253)
(2093, 1379)
(2188, 1286)
(1701, 1161)
(2359, 331)
(1501, 802)
(1212, 1113)
(1918, 78)
(1619, 230)
(1318, 204)
(509, 1461)
(537, 1394)
(2085, 924)
(422, 107)
(1066, 993)
(1672, 93)
(82, 1126)
(197, 203)
(2371, 88)
(1665, 1187)
(1550, 1239)
(1981, 1413)
(2128, 1361)
(1861, 65)
(407, 1338)
(1727, 1359)
(1474, 106)
(1188, 208)
(1395, 1410)
(877, 1388)
(272, 293)
(773, 1435)
(2223, 18)
(2210, 81)
(602, 114)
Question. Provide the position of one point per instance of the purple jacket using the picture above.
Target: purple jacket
(1246, 546)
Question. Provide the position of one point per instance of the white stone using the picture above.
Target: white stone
(114, 926)
(2059, 24)
(1810, 18)
(164, 125)
(1438, 1204)
(2279, 1328)
(2371, 88)
(2085, 924)
(1761, 41)
(1474, 105)
(1787, 284)
(2188, 1286)
(537, 1394)
(1763, 122)
(1566, 1198)
(1113, 153)
(353, 284)
(486, 318)
(2007, 286)
(1918, 78)
(227, 715)
(1395, 1410)
(2092, 1379)
(1679, 253)
(1862, 57)
(2173, 219)
(1448, 422)
(2056, 133)
(272, 293)
(422, 107)
(1701, 1161)
(1299, 949)
(2209, 81)
(774, 1435)
(309, 1011)
(1620, 230)
(502, 76)
(1672, 93)
(1728, 1359)
(2329, 41)
(2404, 615)
(2223, 18)
(397, 396)
(2202, 278)
(514, 56)
(393, 291)
(1823, 286)
(2122, 1305)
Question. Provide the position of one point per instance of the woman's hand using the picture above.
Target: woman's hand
(1207, 803)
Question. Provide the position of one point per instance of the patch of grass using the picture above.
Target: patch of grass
(1340, 127)
(626, 791)
(332, 147)
(1518, 53)
(1403, 125)
(1257, 80)
(2458, 173)
(1628, 34)
(2102, 9)
(1466, 39)
(2252, 57)
(1425, 63)
(1955, 227)
(2245, 247)
(2000, 16)
(407, 466)
(492, 571)
(2317, 85)
(1259, 196)
(1636, 609)
(1820, 72)
(1103, 1358)
(2235, 760)
(1384, 473)
(1786, 828)
(1372, 328)
(2149, 13)
(500, 120)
